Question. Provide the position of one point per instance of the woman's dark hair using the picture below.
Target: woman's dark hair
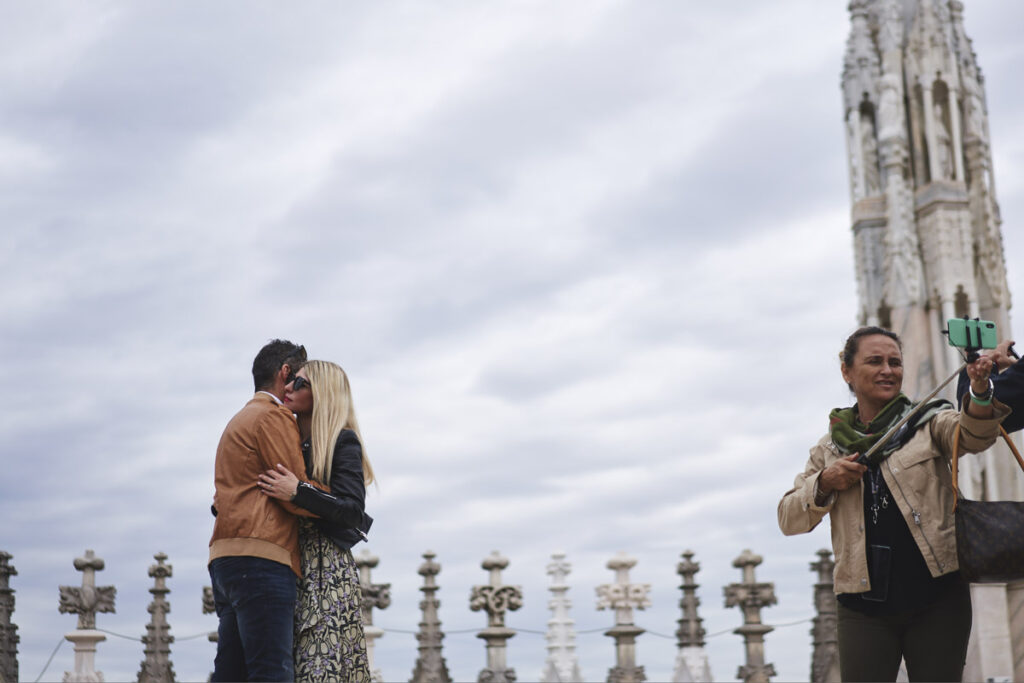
(853, 342)
(272, 357)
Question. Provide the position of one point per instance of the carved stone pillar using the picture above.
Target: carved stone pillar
(824, 636)
(751, 597)
(86, 601)
(373, 595)
(8, 631)
(157, 667)
(623, 596)
(561, 664)
(692, 662)
(496, 599)
(430, 665)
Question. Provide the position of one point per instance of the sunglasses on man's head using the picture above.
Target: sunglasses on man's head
(300, 383)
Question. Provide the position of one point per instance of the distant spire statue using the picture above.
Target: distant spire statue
(495, 599)
(374, 595)
(692, 665)
(157, 667)
(8, 631)
(86, 601)
(561, 664)
(824, 636)
(623, 597)
(430, 665)
(751, 596)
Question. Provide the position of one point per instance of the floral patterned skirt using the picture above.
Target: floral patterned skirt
(329, 640)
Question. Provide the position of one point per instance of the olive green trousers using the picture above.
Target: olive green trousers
(932, 640)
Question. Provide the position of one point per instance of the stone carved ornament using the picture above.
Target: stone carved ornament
(617, 595)
(496, 600)
(86, 601)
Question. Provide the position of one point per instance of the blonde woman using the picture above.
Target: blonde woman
(329, 640)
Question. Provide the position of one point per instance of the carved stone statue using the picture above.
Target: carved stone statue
(430, 665)
(623, 596)
(157, 666)
(889, 111)
(86, 601)
(496, 599)
(561, 663)
(751, 596)
(943, 143)
(8, 631)
(374, 595)
(824, 636)
(692, 662)
(869, 154)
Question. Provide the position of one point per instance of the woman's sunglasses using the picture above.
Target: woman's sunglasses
(300, 383)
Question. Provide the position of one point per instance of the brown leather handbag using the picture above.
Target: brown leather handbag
(989, 534)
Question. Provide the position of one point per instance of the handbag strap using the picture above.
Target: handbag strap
(956, 457)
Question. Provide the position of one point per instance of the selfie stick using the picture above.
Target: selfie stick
(866, 456)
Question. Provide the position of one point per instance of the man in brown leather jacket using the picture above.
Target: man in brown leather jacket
(254, 551)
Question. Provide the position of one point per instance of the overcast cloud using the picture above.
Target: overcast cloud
(588, 266)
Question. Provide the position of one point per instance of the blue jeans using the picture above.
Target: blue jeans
(255, 600)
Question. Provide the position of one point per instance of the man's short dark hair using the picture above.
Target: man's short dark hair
(271, 357)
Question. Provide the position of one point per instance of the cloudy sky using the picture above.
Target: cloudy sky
(588, 266)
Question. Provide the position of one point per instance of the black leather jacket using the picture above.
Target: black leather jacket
(342, 512)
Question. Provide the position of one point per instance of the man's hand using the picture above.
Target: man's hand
(279, 483)
(1001, 355)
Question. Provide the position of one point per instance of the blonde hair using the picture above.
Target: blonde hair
(333, 411)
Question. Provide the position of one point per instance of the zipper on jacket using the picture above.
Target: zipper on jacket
(913, 513)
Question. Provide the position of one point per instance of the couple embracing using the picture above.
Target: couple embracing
(290, 480)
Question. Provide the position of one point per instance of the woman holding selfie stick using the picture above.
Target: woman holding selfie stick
(896, 576)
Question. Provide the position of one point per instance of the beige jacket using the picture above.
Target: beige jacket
(919, 477)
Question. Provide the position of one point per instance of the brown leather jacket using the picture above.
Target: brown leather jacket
(249, 522)
(919, 477)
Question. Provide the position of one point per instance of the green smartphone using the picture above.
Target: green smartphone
(973, 334)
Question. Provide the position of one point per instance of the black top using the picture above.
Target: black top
(900, 580)
(342, 512)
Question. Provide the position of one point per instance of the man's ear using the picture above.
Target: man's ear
(283, 373)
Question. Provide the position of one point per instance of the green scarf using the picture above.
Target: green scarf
(850, 435)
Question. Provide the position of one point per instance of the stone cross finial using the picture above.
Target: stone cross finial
(86, 601)
(495, 599)
(561, 664)
(692, 663)
(751, 597)
(373, 595)
(623, 596)
(8, 631)
(157, 666)
(824, 631)
(430, 665)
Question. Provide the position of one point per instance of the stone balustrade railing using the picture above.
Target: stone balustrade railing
(495, 598)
